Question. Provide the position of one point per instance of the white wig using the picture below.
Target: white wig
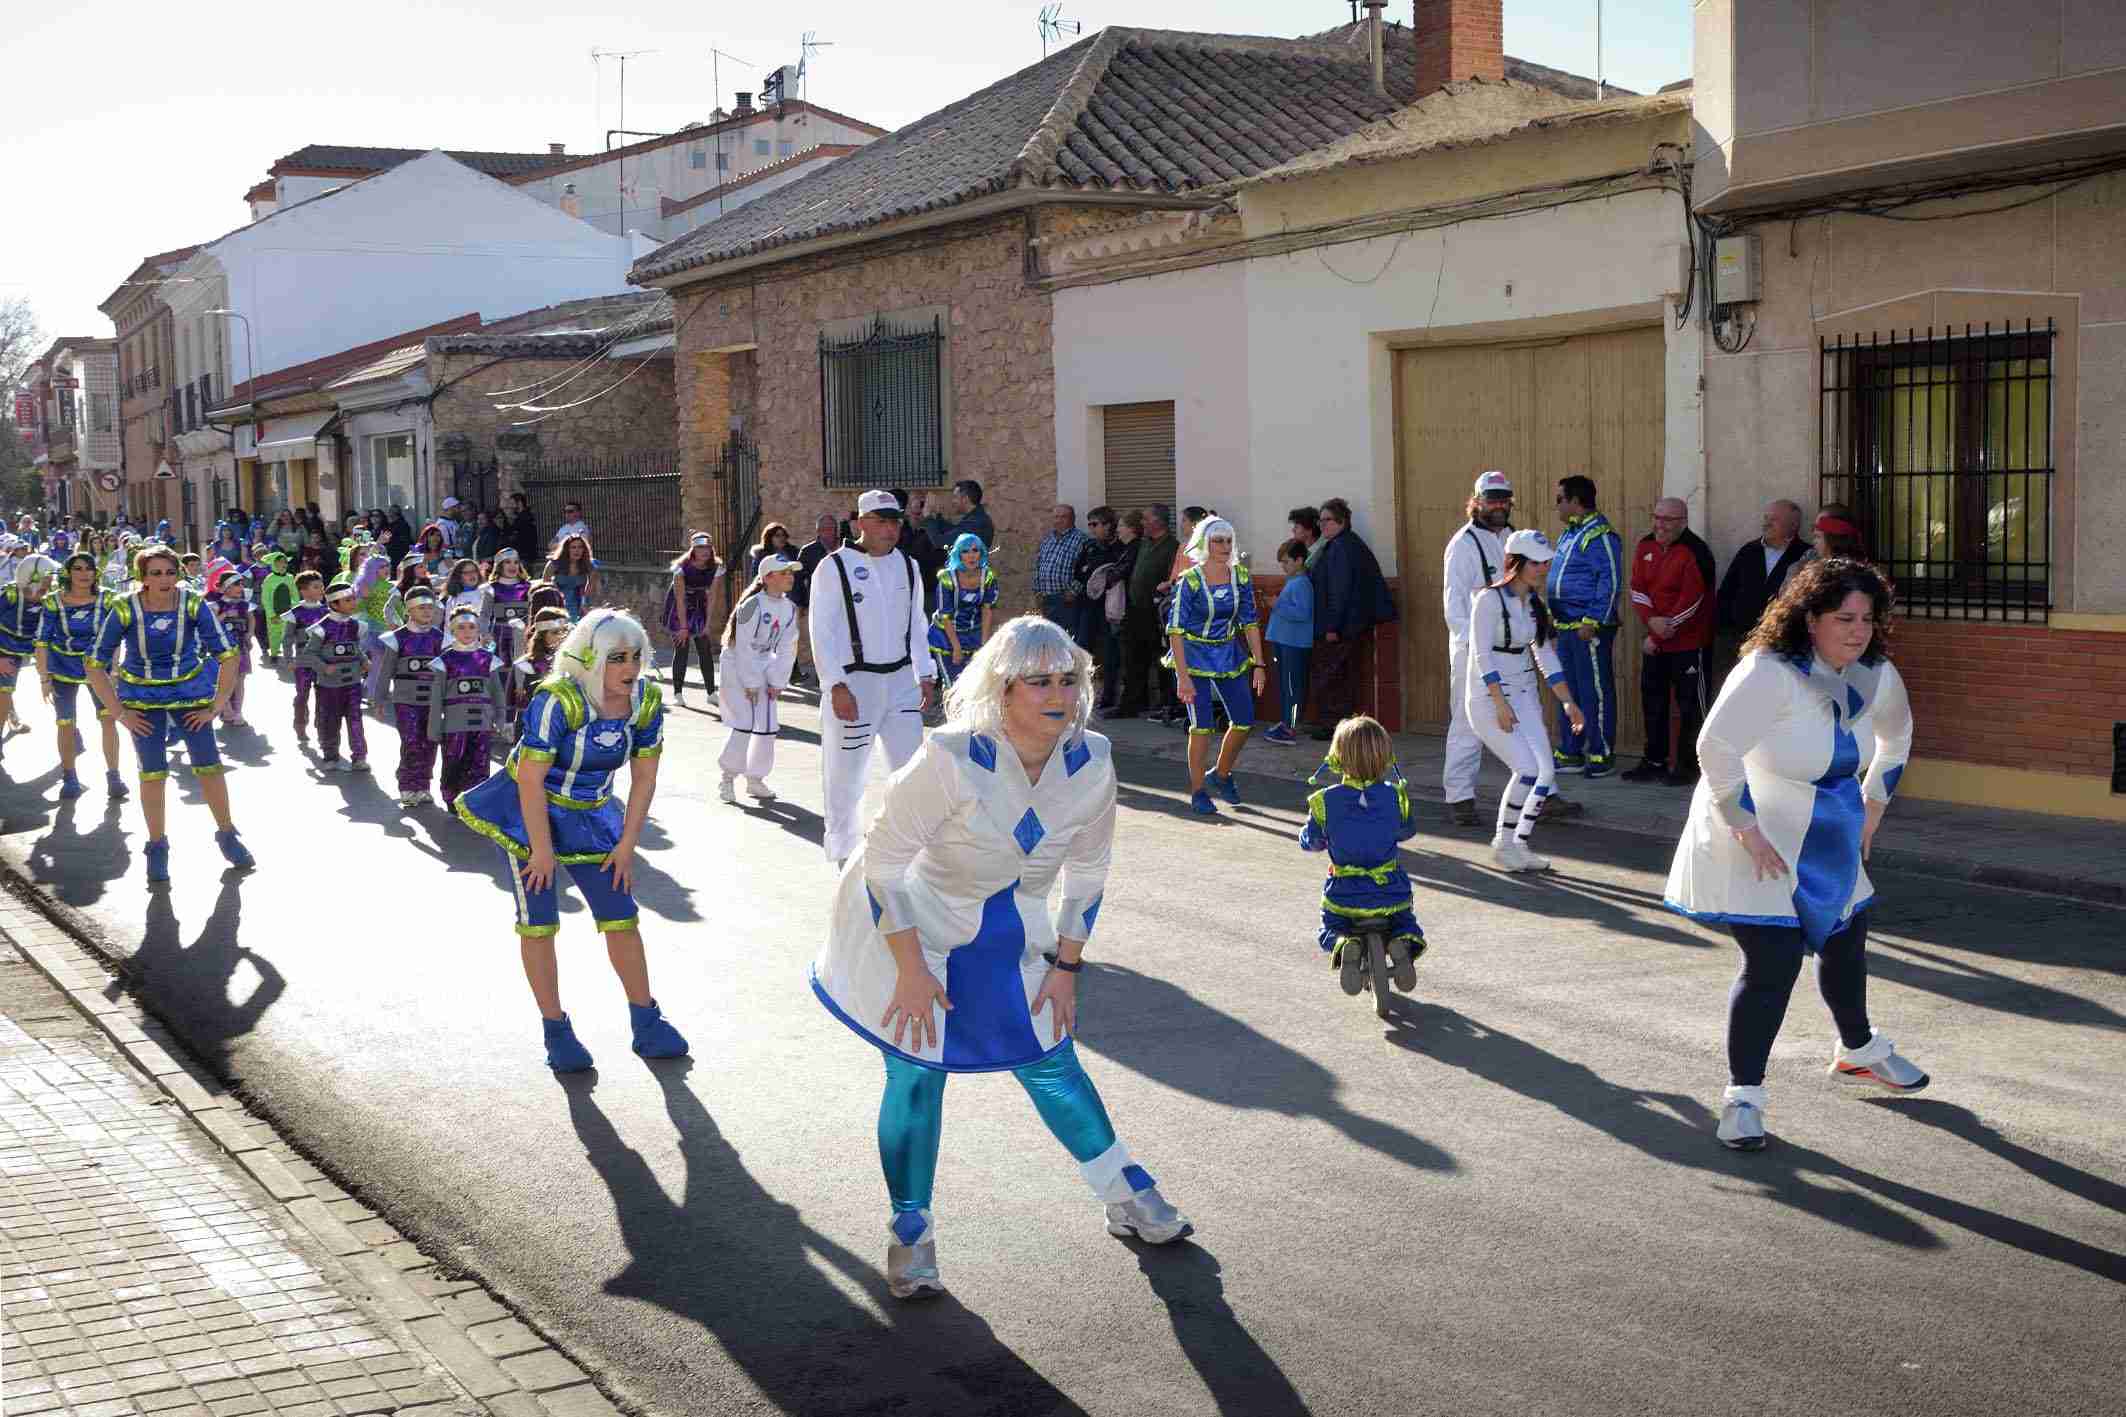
(1023, 645)
(596, 637)
(33, 568)
(1199, 542)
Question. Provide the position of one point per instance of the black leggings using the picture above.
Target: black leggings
(1771, 961)
(679, 663)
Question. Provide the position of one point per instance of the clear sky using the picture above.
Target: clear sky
(136, 127)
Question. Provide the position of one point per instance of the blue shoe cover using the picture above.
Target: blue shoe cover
(158, 854)
(70, 789)
(1227, 788)
(654, 1038)
(1200, 804)
(114, 785)
(563, 1053)
(233, 850)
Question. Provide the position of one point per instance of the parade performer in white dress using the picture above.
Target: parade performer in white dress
(1799, 758)
(759, 649)
(871, 643)
(945, 953)
(552, 806)
(1511, 638)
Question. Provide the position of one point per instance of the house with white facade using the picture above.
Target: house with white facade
(1488, 278)
(76, 443)
(424, 242)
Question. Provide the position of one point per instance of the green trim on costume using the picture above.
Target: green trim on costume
(1202, 732)
(522, 853)
(155, 776)
(538, 932)
(1194, 673)
(1379, 875)
(1352, 912)
(607, 927)
(140, 707)
(573, 804)
(208, 770)
(653, 751)
(131, 678)
(537, 755)
(575, 712)
(652, 701)
(1316, 809)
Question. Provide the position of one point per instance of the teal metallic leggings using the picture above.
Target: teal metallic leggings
(911, 1119)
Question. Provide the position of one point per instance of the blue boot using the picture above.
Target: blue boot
(71, 788)
(564, 1054)
(1227, 788)
(234, 851)
(1200, 804)
(654, 1038)
(114, 785)
(158, 854)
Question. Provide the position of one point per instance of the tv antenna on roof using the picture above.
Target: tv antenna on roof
(623, 56)
(1053, 26)
(805, 49)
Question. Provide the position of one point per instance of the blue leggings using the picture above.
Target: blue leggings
(911, 1119)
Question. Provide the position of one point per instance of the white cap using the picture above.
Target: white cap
(769, 565)
(1530, 545)
(449, 502)
(1494, 484)
(884, 503)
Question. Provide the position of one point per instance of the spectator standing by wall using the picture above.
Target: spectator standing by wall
(1114, 606)
(1100, 549)
(1585, 588)
(486, 538)
(1055, 565)
(826, 540)
(968, 516)
(1291, 633)
(524, 530)
(1837, 535)
(572, 522)
(915, 540)
(1306, 529)
(1350, 598)
(774, 541)
(452, 521)
(1671, 595)
(1755, 576)
(1142, 641)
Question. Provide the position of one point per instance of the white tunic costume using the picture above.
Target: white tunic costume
(756, 669)
(869, 634)
(1793, 747)
(966, 851)
(1474, 556)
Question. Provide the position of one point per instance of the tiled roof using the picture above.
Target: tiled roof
(1154, 112)
(702, 132)
(815, 153)
(334, 158)
(1467, 114)
(316, 373)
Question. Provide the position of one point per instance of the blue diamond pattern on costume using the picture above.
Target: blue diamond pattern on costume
(1028, 832)
(982, 752)
(1076, 756)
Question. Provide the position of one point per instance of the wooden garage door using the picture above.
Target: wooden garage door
(1138, 448)
(1590, 404)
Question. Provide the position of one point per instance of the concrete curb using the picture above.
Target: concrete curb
(505, 1365)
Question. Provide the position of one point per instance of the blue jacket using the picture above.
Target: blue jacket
(1350, 594)
(1292, 618)
(1587, 574)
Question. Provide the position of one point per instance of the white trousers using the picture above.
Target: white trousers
(1465, 751)
(750, 746)
(889, 712)
(1526, 750)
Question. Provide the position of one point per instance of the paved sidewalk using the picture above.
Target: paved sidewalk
(161, 1252)
(2066, 856)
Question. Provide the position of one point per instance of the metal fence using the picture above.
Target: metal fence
(881, 407)
(1941, 444)
(738, 469)
(630, 503)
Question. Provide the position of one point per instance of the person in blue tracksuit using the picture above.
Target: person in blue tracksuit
(1586, 578)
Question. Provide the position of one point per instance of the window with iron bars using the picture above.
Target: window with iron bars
(1941, 444)
(882, 406)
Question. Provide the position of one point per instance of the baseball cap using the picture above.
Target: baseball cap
(884, 504)
(1530, 545)
(450, 504)
(1494, 484)
(769, 565)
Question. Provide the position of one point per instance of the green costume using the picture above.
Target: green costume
(276, 595)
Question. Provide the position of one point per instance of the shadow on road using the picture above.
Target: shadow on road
(1678, 1129)
(1963, 1122)
(193, 985)
(1165, 1033)
(737, 1261)
(76, 866)
(1239, 1374)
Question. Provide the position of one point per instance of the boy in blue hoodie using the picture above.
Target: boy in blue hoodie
(1291, 629)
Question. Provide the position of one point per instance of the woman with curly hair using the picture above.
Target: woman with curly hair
(1799, 757)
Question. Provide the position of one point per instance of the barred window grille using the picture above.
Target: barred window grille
(1941, 443)
(881, 407)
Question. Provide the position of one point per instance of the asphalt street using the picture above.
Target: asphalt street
(1507, 1200)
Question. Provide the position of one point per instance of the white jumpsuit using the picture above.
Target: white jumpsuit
(756, 669)
(1501, 640)
(1474, 557)
(883, 660)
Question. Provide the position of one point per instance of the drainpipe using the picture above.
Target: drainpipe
(1374, 45)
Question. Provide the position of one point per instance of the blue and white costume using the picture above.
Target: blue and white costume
(1798, 749)
(756, 668)
(579, 754)
(1212, 621)
(1502, 651)
(960, 609)
(165, 663)
(1362, 825)
(68, 634)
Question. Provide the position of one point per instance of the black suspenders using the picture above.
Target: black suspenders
(1481, 558)
(856, 634)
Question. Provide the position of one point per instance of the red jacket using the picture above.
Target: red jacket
(1667, 581)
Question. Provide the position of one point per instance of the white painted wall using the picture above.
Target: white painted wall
(1182, 337)
(421, 243)
(1291, 393)
(681, 223)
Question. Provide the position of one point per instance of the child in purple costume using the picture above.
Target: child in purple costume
(339, 704)
(420, 637)
(229, 594)
(310, 585)
(467, 662)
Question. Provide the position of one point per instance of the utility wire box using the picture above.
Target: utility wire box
(1736, 260)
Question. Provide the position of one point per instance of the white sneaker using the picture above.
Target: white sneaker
(756, 788)
(1877, 1062)
(1510, 853)
(912, 1257)
(727, 791)
(1535, 862)
(409, 800)
(1147, 1216)
(1742, 1119)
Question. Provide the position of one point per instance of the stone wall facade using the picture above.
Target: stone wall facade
(635, 419)
(748, 358)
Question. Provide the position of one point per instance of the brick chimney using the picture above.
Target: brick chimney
(1459, 39)
(557, 149)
